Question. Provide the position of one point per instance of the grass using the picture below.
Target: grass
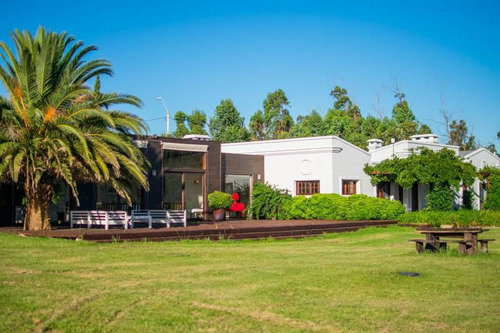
(338, 282)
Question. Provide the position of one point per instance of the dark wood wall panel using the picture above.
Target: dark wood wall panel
(240, 164)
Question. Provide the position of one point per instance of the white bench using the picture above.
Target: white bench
(167, 217)
(98, 218)
(177, 217)
(140, 216)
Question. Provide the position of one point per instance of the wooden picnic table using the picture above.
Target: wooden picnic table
(437, 239)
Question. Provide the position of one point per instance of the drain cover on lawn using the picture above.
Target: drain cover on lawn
(412, 274)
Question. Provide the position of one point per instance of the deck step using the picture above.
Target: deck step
(215, 236)
(205, 233)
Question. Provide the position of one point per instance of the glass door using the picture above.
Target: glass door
(173, 191)
(183, 191)
(193, 191)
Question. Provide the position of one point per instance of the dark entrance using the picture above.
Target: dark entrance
(400, 193)
(384, 190)
(414, 197)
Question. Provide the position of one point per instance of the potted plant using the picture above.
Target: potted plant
(219, 202)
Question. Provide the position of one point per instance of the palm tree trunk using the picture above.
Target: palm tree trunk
(38, 199)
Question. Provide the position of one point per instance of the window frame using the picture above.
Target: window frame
(308, 187)
(354, 181)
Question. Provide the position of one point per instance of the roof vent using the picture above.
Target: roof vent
(199, 137)
(425, 138)
(374, 144)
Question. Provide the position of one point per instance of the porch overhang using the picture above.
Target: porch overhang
(184, 147)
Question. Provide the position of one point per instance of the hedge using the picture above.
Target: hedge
(268, 202)
(460, 218)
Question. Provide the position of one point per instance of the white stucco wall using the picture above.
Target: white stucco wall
(328, 159)
(481, 158)
(404, 149)
(348, 165)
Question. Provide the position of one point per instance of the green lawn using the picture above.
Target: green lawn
(338, 282)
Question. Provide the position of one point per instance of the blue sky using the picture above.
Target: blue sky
(194, 54)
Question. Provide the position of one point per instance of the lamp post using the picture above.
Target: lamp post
(168, 113)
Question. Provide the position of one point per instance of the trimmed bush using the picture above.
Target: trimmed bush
(461, 218)
(269, 202)
(219, 200)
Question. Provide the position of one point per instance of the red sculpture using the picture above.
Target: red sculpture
(237, 207)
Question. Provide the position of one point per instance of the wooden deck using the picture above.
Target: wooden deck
(234, 229)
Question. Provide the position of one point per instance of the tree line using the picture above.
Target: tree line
(344, 119)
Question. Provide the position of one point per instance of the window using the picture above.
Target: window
(239, 184)
(349, 187)
(307, 187)
(183, 159)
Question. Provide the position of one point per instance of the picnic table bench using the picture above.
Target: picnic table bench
(467, 239)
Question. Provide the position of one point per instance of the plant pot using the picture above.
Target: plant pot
(219, 214)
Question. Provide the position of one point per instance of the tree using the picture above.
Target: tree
(424, 129)
(401, 111)
(55, 129)
(310, 125)
(277, 119)
(459, 136)
(227, 125)
(197, 122)
(194, 123)
(344, 103)
(180, 124)
(491, 147)
(337, 123)
(257, 126)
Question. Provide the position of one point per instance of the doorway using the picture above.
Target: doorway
(183, 191)
(414, 197)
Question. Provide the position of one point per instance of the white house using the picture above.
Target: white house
(329, 164)
(413, 198)
(304, 166)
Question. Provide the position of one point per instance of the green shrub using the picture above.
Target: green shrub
(461, 218)
(218, 200)
(268, 202)
(439, 198)
(493, 195)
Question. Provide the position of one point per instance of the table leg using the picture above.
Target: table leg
(472, 239)
(484, 246)
(462, 248)
(433, 242)
(420, 246)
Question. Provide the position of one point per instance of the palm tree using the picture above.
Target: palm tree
(54, 129)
